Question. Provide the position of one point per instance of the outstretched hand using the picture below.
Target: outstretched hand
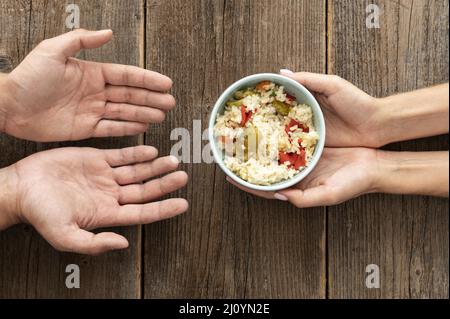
(341, 174)
(65, 193)
(55, 97)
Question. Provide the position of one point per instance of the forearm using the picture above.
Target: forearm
(8, 198)
(420, 173)
(415, 114)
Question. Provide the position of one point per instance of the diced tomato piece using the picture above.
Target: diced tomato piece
(301, 159)
(245, 115)
(292, 123)
(295, 160)
(249, 115)
(304, 128)
(290, 97)
(284, 157)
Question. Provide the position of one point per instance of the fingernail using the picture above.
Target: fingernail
(286, 72)
(174, 159)
(280, 197)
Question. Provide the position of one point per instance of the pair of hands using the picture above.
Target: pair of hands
(66, 192)
(349, 164)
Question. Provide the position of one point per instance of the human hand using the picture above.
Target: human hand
(64, 193)
(341, 174)
(55, 97)
(352, 117)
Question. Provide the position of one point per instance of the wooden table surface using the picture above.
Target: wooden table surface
(230, 244)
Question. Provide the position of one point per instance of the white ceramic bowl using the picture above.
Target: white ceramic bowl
(293, 88)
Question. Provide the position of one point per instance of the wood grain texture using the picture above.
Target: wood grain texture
(29, 267)
(229, 244)
(407, 236)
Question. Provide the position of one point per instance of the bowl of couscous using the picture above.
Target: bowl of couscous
(267, 132)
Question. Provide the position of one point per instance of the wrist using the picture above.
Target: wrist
(9, 203)
(413, 173)
(412, 115)
(6, 101)
(3, 102)
(385, 168)
(382, 118)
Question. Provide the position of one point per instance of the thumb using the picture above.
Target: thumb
(310, 197)
(320, 83)
(84, 242)
(68, 44)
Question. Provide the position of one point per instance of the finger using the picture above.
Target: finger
(127, 75)
(268, 195)
(130, 155)
(149, 213)
(144, 193)
(134, 113)
(108, 128)
(84, 242)
(321, 83)
(137, 173)
(68, 44)
(310, 197)
(125, 94)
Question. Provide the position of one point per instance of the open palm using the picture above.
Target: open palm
(341, 174)
(81, 189)
(59, 98)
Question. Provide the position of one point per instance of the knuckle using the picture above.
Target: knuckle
(143, 78)
(162, 186)
(141, 214)
(134, 172)
(112, 109)
(147, 97)
(127, 95)
(123, 154)
(159, 211)
(134, 154)
(44, 44)
(125, 75)
(335, 78)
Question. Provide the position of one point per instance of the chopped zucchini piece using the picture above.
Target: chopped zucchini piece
(282, 108)
(234, 103)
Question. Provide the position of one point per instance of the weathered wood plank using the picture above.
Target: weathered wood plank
(29, 267)
(406, 236)
(230, 244)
